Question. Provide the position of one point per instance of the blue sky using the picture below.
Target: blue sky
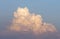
(49, 9)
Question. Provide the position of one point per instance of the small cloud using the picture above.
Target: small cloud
(24, 21)
(25, 25)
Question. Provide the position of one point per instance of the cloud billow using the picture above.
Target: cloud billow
(26, 25)
(25, 22)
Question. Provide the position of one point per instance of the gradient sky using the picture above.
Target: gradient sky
(49, 9)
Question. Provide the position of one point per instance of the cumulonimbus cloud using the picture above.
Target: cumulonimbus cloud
(24, 21)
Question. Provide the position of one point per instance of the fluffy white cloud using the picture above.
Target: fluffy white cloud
(24, 21)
